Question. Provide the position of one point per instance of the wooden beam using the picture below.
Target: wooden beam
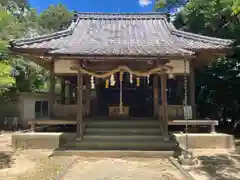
(123, 57)
(119, 62)
(155, 95)
(88, 96)
(164, 105)
(105, 67)
(52, 90)
(79, 106)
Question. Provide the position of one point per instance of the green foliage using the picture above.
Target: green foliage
(55, 18)
(6, 80)
(162, 3)
(217, 84)
(210, 17)
(16, 21)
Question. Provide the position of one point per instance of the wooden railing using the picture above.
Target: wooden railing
(174, 111)
(62, 110)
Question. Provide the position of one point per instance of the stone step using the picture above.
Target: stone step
(123, 124)
(112, 153)
(123, 131)
(142, 138)
(122, 145)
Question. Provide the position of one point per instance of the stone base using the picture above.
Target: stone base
(206, 141)
(35, 140)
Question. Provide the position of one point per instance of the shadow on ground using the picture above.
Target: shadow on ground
(6, 160)
(220, 167)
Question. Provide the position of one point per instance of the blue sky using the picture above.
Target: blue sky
(97, 5)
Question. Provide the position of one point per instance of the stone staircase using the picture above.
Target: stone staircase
(142, 135)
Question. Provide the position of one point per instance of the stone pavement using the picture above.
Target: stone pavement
(123, 169)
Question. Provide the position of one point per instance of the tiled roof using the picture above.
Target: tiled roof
(122, 34)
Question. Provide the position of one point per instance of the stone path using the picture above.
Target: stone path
(123, 169)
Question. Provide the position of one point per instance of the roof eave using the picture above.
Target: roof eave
(125, 56)
(45, 37)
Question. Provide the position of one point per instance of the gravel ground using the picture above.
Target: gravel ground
(123, 169)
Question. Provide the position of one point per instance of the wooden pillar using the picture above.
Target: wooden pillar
(63, 90)
(155, 95)
(96, 99)
(79, 106)
(164, 106)
(51, 90)
(192, 90)
(88, 93)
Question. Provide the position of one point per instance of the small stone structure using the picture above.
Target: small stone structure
(206, 141)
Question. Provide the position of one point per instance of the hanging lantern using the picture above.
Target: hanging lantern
(92, 82)
(106, 83)
(131, 78)
(112, 80)
(138, 82)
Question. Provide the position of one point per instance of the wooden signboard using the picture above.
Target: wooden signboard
(115, 111)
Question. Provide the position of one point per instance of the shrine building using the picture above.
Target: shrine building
(121, 67)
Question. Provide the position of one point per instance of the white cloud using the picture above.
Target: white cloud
(144, 3)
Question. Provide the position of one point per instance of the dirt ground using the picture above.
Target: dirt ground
(37, 165)
(123, 169)
(28, 164)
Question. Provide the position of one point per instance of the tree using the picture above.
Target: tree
(6, 79)
(217, 83)
(168, 6)
(17, 20)
(18, 74)
(55, 18)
